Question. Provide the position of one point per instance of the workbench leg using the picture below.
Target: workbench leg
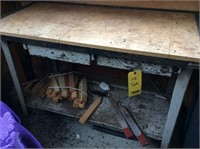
(13, 73)
(175, 105)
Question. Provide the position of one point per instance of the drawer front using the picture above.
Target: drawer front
(127, 65)
(61, 55)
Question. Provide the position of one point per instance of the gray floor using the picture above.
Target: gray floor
(54, 130)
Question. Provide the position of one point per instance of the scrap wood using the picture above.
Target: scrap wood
(52, 93)
(54, 83)
(62, 82)
(81, 105)
(71, 80)
(82, 94)
(43, 90)
(49, 92)
(35, 88)
(89, 111)
(57, 97)
(76, 103)
(58, 89)
(73, 95)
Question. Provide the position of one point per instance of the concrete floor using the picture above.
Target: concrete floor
(54, 130)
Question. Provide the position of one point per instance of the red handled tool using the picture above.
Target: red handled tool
(134, 127)
(127, 131)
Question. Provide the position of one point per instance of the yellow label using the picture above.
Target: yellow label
(134, 83)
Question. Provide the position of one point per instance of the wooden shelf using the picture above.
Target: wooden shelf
(144, 32)
(148, 110)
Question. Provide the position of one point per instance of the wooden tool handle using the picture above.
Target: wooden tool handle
(89, 111)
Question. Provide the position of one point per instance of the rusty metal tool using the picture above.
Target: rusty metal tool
(127, 131)
(105, 92)
(134, 127)
(124, 115)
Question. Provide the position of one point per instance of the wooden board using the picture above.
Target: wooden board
(190, 5)
(143, 32)
(89, 111)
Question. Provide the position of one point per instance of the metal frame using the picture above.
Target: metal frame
(59, 54)
(175, 105)
(176, 101)
(149, 68)
(85, 58)
(13, 73)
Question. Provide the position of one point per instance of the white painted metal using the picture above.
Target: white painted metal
(13, 73)
(175, 105)
(61, 55)
(146, 67)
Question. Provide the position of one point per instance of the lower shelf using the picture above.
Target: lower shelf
(149, 111)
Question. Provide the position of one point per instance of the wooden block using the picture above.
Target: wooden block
(71, 82)
(43, 89)
(83, 88)
(52, 95)
(57, 98)
(74, 94)
(89, 111)
(49, 92)
(76, 103)
(64, 93)
(62, 82)
(53, 82)
(82, 105)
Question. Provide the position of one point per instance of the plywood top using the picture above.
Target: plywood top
(187, 5)
(143, 32)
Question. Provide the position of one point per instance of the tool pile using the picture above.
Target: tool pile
(68, 86)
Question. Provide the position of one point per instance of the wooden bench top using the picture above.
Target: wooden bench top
(162, 34)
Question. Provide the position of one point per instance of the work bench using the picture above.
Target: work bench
(158, 42)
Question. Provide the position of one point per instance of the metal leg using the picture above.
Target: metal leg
(11, 67)
(175, 105)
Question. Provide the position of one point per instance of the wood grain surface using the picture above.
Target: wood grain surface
(162, 34)
(186, 5)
